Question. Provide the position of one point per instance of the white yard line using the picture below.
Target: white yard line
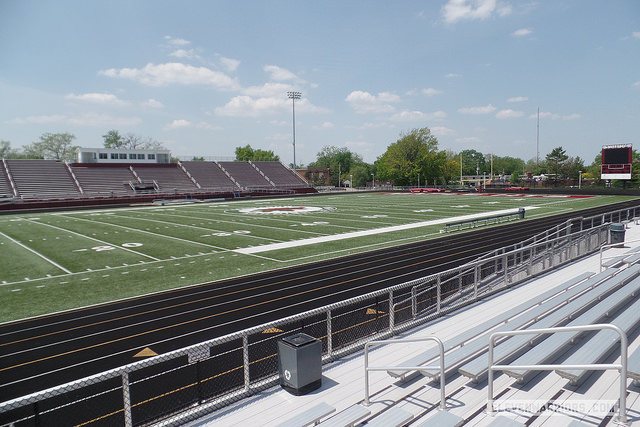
(96, 240)
(50, 261)
(336, 237)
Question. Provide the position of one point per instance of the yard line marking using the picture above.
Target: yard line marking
(50, 261)
(333, 238)
(148, 232)
(97, 240)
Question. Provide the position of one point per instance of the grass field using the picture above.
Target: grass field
(62, 260)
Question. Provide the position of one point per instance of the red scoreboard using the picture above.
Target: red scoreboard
(616, 161)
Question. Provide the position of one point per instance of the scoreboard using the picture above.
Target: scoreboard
(616, 161)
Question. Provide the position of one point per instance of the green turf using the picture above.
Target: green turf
(62, 260)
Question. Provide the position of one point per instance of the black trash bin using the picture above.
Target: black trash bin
(300, 363)
(616, 230)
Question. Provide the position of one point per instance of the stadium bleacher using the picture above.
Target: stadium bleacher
(245, 174)
(280, 174)
(104, 180)
(570, 295)
(209, 175)
(42, 179)
(46, 180)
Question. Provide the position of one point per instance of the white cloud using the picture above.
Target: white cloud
(279, 74)
(509, 114)
(636, 85)
(452, 75)
(545, 115)
(487, 109)
(176, 41)
(229, 64)
(457, 10)
(85, 119)
(247, 106)
(442, 131)
(636, 34)
(174, 73)
(182, 53)
(185, 124)
(275, 90)
(431, 91)
(152, 103)
(518, 99)
(179, 124)
(522, 32)
(325, 125)
(364, 102)
(98, 98)
(416, 116)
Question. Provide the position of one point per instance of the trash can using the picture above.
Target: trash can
(521, 213)
(300, 363)
(616, 231)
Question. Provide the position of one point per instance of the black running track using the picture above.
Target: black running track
(39, 353)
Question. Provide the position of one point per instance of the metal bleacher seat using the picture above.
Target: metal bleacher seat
(633, 367)
(348, 417)
(311, 416)
(478, 330)
(392, 417)
(505, 422)
(443, 419)
(598, 346)
(582, 306)
(555, 344)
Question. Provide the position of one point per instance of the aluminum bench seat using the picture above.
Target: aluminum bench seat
(633, 366)
(541, 304)
(599, 345)
(505, 422)
(588, 307)
(443, 419)
(556, 343)
(348, 417)
(310, 417)
(393, 417)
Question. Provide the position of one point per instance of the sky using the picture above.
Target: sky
(206, 76)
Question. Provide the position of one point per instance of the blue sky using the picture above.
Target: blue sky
(204, 77)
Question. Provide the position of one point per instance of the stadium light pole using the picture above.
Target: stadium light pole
(373, 178)
(293, 96)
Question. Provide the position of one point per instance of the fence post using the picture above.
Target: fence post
(329, 334)
(414, 302)
(438, 294)
(245, 360)
(392, 313)
(126, 397)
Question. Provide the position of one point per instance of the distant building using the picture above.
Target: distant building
(120, 155)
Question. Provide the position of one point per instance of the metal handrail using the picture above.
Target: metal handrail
(609, 246)
(368, 368)
(622, 366)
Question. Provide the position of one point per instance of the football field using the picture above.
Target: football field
(60, 260)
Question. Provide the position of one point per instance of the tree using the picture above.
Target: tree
(555, 162)
(340, 161)
(6, 152)
(52, 146)
(130, 141)
(414, 153)
(247, 153)
(113, 139)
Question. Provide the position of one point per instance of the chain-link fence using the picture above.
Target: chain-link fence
(191, 382)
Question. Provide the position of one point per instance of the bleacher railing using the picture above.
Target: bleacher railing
(621, 367)
(188, 383)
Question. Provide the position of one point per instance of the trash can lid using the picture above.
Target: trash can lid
(616, 226)
(299, 340)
